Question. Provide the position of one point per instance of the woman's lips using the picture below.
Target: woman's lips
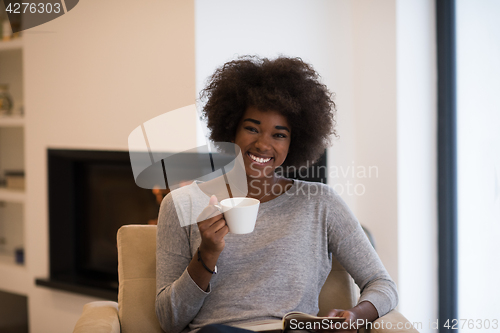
(259, 160)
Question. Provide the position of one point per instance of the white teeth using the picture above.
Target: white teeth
(259, 159)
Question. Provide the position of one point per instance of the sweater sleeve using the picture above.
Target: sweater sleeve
(178, 297)
(349, 244)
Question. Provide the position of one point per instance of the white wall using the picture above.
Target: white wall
(417, 160)
(374, 98)
(478, 158)
(91, 77)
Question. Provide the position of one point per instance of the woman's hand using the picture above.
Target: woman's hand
(362, 313)
(350, 320)
(212, 232)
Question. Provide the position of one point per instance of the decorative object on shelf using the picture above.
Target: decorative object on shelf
(5, 100)
(19, 255)
(12, 17)
(3, 241)
(14, 179)
(18, 110)
(6, 30)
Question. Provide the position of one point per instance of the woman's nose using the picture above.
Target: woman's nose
(262, 143)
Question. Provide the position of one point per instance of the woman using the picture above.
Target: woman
(280, 115)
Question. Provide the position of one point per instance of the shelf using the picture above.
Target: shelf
(15, 44)
(12, 195)
(15, 277)
(11, 121)
(6, 259)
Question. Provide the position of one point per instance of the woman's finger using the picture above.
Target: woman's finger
(208, 213)
(217, 230)
(335, 313)
(206, 224)
(222, 232)
(220, 225)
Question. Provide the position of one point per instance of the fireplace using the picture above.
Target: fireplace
(91, 195)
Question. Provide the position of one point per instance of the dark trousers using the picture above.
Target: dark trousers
(219, 328)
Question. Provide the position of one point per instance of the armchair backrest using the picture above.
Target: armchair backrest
(137, 281)
(339, 290)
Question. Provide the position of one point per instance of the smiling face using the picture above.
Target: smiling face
(264, 139)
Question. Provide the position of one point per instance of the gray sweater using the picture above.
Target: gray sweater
(279, 267)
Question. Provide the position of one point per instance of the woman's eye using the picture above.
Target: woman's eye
(251, 129)
(281, 136)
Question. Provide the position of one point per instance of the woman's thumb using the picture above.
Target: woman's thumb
(213, 200)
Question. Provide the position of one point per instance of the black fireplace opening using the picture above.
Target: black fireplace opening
(106, 198)
(91, 195)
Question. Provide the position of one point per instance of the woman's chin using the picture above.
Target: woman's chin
(254, 176)
(255, 171)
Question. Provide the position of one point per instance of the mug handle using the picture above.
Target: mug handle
(219, 208)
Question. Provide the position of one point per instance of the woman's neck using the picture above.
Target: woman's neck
(268, 188)
(258, 186)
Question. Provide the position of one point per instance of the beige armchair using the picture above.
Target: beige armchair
(135, 310)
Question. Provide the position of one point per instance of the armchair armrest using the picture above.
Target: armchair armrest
(98, 317)
(393, 322)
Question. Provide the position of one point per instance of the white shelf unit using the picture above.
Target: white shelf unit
(15, 277)
(11, 121)
(12, 201)
(13, 196)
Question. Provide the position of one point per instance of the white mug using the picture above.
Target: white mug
(240, 214)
